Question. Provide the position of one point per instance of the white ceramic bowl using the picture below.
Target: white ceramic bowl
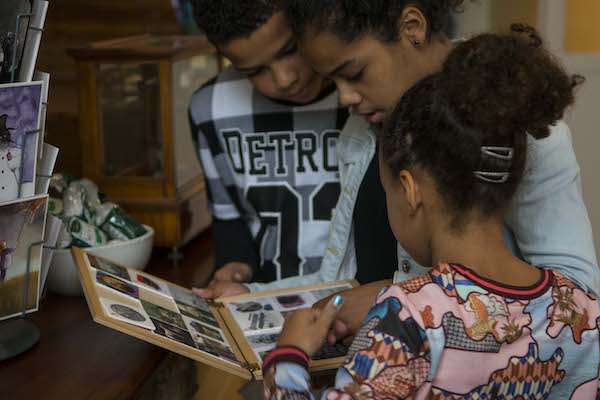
(135, 253)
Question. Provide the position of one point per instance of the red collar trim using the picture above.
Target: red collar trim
(516, 292)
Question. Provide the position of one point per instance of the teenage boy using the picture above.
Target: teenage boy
(266, 131)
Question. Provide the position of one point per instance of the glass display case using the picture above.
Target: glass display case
(136, 140)
(129, 117)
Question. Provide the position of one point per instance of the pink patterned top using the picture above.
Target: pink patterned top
(452, 334)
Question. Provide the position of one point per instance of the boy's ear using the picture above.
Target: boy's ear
(412, 191)
(413, 25)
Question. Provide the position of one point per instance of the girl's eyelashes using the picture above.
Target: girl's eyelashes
(290, 50)
(254, 72)
(356, 77)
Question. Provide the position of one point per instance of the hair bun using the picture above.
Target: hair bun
(531, 32)
(508, 83)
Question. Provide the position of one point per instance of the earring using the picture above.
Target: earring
(416, 42)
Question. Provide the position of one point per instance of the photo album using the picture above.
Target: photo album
(233, 334)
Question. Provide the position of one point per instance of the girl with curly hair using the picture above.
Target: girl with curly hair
(482, 323)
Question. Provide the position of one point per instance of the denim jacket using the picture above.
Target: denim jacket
(547, 225)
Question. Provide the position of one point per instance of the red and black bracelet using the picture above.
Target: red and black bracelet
(289, 354)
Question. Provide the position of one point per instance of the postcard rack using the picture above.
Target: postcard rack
(13, 70)
(13, 66)
(20, 334)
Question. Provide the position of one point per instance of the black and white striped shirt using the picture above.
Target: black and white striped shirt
(271, 172)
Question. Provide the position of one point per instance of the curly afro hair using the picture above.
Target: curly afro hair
(351, 19)
(493, 91)
(227, 20)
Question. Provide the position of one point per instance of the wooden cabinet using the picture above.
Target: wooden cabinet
(136, 140)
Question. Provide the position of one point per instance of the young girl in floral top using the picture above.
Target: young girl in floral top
(482, 324)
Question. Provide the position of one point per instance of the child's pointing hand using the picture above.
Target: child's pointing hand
(308, 329)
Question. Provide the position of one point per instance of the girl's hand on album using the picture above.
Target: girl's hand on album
(220, 289)
(308, 329)
(357, 303)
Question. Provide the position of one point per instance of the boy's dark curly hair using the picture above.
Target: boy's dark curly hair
(351, 19)
(226, 20)
(493, 90)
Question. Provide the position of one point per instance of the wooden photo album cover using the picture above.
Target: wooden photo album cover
(233, 334)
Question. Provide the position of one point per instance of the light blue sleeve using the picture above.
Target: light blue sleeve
(549, 220)
(287, 381)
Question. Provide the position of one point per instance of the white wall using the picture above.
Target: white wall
(584, 118)
(584, 121)
(475, 18)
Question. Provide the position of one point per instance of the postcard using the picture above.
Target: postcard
(182, 295)
(174, 333)
(22, 223)
(108, 267)
(158, 299)
(190, 311)
(34, 38)
(263, 340)
(44, 77)
(19, 122)
(256, 315)
(162, 314)
(150, 282)
(45, 168)
(202, 304)
(293, 301)
(203, 329)
(12, 42)
(127, 312)
(53, 225)
(206, 317)
(216, 348)
(117, 284)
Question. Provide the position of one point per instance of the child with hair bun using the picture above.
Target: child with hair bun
(481, 324)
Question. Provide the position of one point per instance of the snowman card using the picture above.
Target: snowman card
(20, 105)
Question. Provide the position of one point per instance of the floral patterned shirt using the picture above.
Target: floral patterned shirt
(451, 334)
